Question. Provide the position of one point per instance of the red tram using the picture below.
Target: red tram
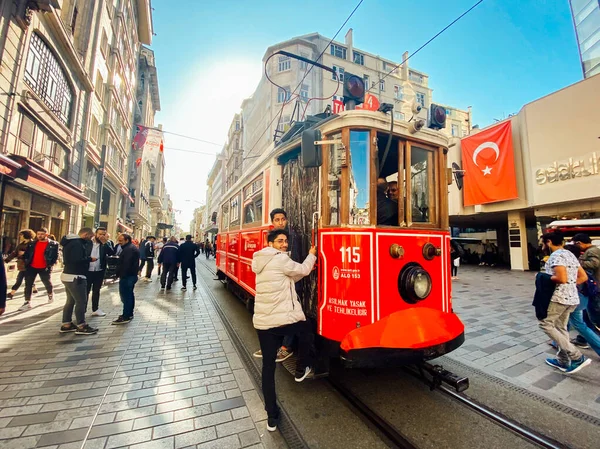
(381, 293)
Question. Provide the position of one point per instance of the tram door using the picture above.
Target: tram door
(300, 201)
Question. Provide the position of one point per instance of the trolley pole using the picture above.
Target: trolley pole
(100, 187)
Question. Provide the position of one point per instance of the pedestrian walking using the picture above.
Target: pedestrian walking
(590, 261)
(142, 248)
(3, 287)
(76, 258)
(566, 273)
(100, 249)
(277, 313)
(188, 252)
(158, 248)
(207, 248)
(127, 272)
(25, 236)
(149, 252)
(40, 256)
(169, 259)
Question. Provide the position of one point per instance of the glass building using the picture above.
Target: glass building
(586, 18)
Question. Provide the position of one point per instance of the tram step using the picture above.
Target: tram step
(290, 366)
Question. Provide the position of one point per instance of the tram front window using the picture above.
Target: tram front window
(334, 180)
(421, 185)
(359, 177)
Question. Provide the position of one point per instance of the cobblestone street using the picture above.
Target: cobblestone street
(169, 379)
(503, 338)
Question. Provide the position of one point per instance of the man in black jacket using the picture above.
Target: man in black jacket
(170, 259)
(76, 258)
(127, 271)
(188, 252)
(149, 256)
(40, 256)
(99, 249)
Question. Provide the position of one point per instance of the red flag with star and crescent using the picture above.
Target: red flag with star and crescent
(489, 164)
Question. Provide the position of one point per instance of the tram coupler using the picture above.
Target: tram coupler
(439, 375)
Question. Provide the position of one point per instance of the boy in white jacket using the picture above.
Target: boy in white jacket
(277, 312)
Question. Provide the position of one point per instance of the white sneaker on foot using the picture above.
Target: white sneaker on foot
(25, 306)
(98, 313)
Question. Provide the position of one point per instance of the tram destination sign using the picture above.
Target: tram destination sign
(572, 168)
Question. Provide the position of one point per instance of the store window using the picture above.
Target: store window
(253, 201)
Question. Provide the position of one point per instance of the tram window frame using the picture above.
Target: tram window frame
(224, 217)
(234, 218)
(433, 170)
(325, 199)
(254, 199)
(346, 187)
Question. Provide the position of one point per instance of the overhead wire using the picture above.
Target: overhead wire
(308, 70)
(428, 42)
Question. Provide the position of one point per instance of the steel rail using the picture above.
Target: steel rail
(521, 430)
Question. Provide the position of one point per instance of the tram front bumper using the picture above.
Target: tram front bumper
(406, 336)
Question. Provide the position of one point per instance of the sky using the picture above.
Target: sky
(502, 55)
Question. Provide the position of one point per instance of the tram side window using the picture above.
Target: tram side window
(359, 177)
(421, 183)
(234, 211)
(224, 217)
(253, 209)
(334, 180)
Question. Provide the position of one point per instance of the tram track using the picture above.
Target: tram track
(390, 434)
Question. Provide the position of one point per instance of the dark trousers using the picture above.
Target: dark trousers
(454, 270)
(270, 341)
(185, 268)
(169, 270)
(149, 267)
(94, 284)
(18, 281)
(208, 252)
(76, 299)
(30, 275)
(126, 285)
(142, 263)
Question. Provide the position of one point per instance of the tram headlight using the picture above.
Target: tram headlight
(414, 283)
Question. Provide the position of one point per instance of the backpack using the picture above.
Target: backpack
(590, 287)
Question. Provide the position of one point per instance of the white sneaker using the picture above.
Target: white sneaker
(25, 306)
(98, 313)
(50, 299)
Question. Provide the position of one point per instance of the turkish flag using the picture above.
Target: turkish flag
(489, 164)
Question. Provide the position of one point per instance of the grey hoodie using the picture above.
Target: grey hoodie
(276, 302)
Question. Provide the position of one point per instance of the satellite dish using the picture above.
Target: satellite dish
(458, 175)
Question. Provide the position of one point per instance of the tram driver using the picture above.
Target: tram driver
(387, 209)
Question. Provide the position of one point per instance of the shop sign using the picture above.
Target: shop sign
(90, 209)
(565, 170)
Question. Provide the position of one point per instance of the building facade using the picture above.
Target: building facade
(214, 194)
(557, 168)
(122, 26)
(233, 152)
(586, 19)
(146, 178)
(388, 81)
(197, 223)
(44, 81)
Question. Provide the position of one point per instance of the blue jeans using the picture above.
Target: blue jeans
(126, 285)
(576, 321)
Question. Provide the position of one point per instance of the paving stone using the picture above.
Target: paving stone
(212, 419)
(163, 443)
(111, 429)
(228, 404)
(18, 411)
(518, 369)
(43, 428)
(135, 437)
(249, 437)
(68, 436)
(173, 428)
(21, 443)
(230, 442)
(208, 398)
(11, 432)
(241, 412)
(195, 437)
(86, 393)
(192, 412)
(236, 426)
(153, 420)
(174, 405)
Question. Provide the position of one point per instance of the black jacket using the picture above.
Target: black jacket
(169, 254)
(129, 261)
(387, 210)
(188, 251)
(76, 254)
(149, 250)
(106, 249)
(544, 289)
(51, 253)
(3, 284)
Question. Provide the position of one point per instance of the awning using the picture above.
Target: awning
(163, 226)
(8, 167)
(35, 177)
(125, 228)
